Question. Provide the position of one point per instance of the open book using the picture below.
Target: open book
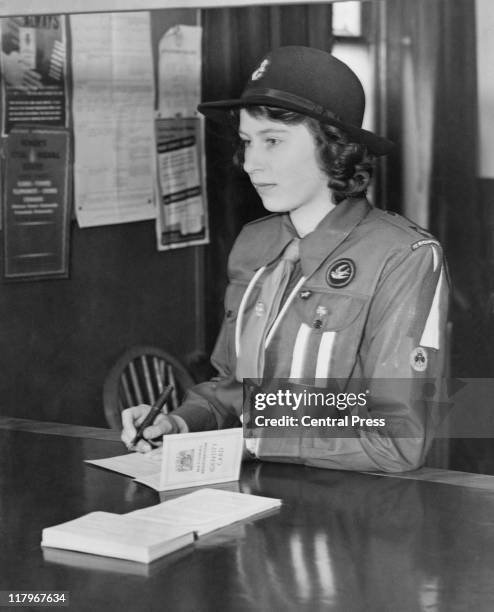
(117, 535)
(149, 533)
(206, 510)
(114, 565)
(184, 460)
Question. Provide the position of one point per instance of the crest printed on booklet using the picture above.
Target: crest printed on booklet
(419, 359)
(341, 273)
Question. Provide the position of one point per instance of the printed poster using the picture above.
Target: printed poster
(36, 204)
(113, 110)
(33, 68)
(179, 71)
(182, 209)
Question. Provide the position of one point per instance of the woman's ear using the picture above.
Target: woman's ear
(359, 182)
(355, 186)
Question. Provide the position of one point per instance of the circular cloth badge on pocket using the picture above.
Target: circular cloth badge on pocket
(341, 273)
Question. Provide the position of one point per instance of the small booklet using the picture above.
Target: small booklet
(118, 535)
(233, 485)
(184, 460)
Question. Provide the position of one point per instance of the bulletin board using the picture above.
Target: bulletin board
(125, 87)
(485, 72)
(63, 334)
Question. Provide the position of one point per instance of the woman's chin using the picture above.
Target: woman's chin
(274, 205)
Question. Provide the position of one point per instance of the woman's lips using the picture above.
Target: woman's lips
(264, 186)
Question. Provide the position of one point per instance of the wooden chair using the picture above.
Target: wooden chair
(138, 377)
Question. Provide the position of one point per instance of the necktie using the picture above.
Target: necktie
(250, 361)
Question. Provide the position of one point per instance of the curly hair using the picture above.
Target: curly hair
(340, 157)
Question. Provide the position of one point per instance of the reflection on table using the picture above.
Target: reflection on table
(342, 541)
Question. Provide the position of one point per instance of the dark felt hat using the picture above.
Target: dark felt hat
(311, 82)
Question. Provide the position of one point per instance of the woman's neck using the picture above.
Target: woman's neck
(306, 218)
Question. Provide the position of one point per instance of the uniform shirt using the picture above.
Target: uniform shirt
(371, 305)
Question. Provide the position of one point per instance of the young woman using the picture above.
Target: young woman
(328, 288)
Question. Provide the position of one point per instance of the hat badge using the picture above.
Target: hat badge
(260, 70)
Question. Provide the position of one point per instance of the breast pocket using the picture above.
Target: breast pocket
(329, 311)
(326, 330)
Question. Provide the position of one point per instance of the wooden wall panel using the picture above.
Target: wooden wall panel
(59, 338)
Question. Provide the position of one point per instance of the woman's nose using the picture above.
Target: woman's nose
(253, 159)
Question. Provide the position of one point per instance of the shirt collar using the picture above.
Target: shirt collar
(267, 246)
(332, 230)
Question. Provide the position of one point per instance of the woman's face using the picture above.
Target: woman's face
(282, 163)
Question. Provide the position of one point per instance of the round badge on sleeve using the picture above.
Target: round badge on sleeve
(341, 273)
(418, 359)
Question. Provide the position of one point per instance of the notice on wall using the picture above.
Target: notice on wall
(33, 68)
(485, 78)
(113, 108)
(182, 209)
(36, 204)
(179, 71)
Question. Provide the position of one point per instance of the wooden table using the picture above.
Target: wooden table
(342, 541)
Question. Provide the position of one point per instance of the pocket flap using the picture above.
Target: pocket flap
(329, 311)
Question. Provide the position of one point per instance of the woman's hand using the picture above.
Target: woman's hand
(163, 425)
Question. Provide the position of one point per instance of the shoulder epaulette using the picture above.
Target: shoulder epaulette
(415, 231)
(425, 242)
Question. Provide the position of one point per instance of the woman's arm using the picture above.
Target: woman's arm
(217, 403)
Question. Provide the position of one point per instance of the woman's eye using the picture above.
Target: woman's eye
(272, 141)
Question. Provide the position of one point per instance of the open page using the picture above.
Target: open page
(206, 510)
(136, 465)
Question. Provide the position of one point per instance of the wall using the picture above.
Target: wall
(485, 73)
(477, 454)
(59, 338)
